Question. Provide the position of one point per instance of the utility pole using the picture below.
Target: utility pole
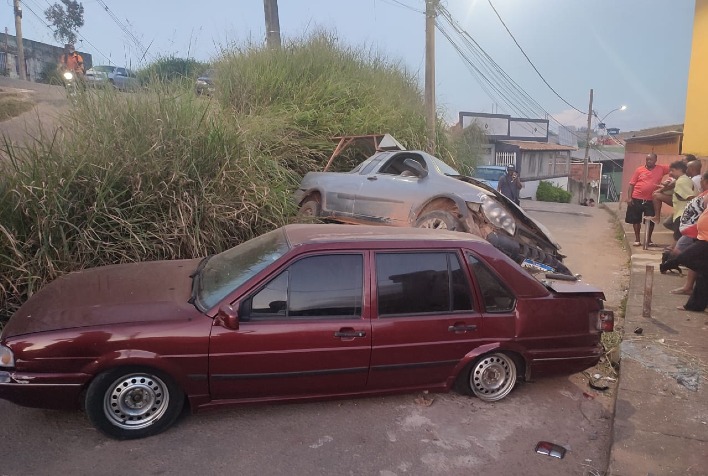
(272, 23)
(430, 116)
(18, 39)
(583, 195)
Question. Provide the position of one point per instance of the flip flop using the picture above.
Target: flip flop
(637, 243)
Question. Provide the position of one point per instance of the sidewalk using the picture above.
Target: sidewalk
(661, 413)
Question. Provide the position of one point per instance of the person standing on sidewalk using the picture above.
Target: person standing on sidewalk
(510, 184)
(683, 193)
(695, 257)
(642, 185)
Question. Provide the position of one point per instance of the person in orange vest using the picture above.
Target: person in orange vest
(72, 61)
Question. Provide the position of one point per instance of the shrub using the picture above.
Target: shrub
(171, 68)
(164, 174)
(547, 192)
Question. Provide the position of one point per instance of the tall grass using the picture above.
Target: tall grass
(164, 174)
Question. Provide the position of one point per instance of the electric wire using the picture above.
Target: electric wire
(529, 59)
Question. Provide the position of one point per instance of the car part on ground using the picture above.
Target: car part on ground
(302, 312)
(415, 189)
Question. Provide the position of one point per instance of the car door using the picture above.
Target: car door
(425, 318)
(390, 191)
(306, 331)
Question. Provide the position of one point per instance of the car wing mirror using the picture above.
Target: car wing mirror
(227, 317)
(416, 167)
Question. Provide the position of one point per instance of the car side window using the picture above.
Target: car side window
(369, 167)
(496, 296)
(324, 286)
(421, 283)
(395, 165)
(120, 72)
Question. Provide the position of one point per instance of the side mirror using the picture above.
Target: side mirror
(416, 167)
(227, 317)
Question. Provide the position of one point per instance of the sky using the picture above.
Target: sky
(630, 52)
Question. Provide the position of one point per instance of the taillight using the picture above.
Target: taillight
(606, 320)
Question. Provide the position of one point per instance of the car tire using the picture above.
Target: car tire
(492, 376)
(310, 208)
(133, 402)
(439, 220)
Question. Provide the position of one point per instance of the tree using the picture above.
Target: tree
(66, 19)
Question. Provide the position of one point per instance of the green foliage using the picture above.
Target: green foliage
(66, 20)
(171, 68)
(165, 174)
(547, 192)
(50, 74)
(466, 146)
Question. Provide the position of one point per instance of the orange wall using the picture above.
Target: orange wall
(671, 145)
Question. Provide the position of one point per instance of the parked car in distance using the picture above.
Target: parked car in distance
(489, 174)
(205, 84)
(302, 312)
(413, 188)
(121, 78)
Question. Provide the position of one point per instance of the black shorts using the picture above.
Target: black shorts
(638, 208)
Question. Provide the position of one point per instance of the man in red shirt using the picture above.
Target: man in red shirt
(642, 186)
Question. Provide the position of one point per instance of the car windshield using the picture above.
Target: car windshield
(487, 174)
(103, 69)
(228, 270)
(443, 168)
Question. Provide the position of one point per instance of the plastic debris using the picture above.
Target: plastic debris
(550, 449)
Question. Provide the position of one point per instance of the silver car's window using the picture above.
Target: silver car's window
(370, 166)
(227, 271)
(395, 165)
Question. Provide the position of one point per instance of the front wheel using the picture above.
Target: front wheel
(439, 220)
(492, 377)
(130, 403)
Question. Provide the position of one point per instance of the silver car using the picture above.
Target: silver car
(413, 188)
(121, 78)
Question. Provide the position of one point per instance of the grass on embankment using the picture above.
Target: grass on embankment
(164, 174)
(13, 104)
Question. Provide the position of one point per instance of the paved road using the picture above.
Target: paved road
(396, 435)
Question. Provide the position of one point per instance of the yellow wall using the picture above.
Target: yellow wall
(695, 139)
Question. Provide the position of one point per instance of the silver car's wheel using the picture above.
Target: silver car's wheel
(439, 220)
(133, 402)
(492, 377)
(310, 208)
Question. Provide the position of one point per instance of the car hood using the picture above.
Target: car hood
(124, 293)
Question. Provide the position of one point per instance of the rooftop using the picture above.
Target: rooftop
(532, 145)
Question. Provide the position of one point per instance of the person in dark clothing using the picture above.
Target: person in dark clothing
(695, 257)
(510, 184)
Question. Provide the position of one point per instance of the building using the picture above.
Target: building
(524, 143)
(695, 140)
(38, 57)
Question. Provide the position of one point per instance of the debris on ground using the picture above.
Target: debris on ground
(550, 449)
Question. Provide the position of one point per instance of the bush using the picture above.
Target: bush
(171, 68)
(164, 174)
(547, 192)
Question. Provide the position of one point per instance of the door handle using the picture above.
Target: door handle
(460, 328)
(349, 333)
(371, 178)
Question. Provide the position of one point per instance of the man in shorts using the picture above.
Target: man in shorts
(642, 185)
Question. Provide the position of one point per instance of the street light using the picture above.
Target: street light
(621, 108)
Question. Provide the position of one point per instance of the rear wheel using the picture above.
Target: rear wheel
(310, 208)
(128, 403)
(439, 220)
(492, 376)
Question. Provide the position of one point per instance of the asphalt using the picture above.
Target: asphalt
(661, 412)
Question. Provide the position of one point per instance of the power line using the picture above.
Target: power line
(123, 28)
(397, 2)
(529, 59)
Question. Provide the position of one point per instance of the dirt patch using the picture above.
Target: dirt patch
(13, 103)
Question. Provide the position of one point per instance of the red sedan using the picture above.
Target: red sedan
(302, 312)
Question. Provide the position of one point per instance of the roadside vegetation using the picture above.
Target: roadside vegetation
(165, 174)
(547, 192)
